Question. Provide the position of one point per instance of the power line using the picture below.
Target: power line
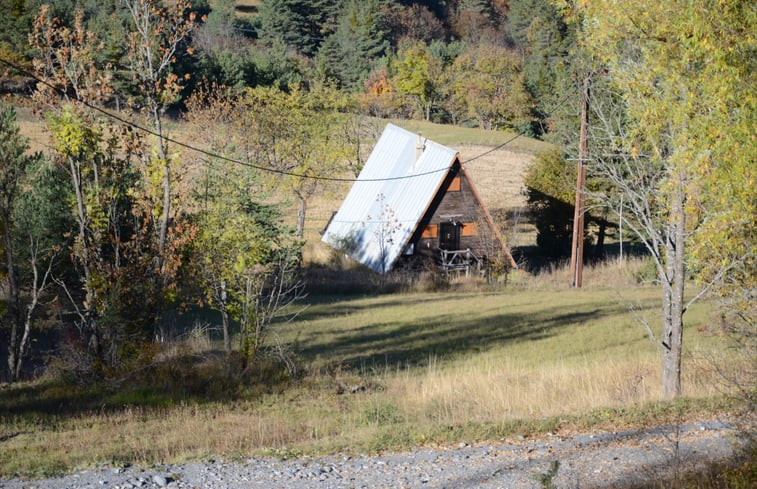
(211, 154)
(492, 150)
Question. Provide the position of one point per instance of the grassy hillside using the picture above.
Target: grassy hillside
(497, 174)
(454, 136)
(426, 369)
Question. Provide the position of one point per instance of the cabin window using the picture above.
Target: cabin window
(449, 236)
(430, 232)
(454, 186)
(470, 229)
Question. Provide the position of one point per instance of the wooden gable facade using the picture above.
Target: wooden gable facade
(457, 232)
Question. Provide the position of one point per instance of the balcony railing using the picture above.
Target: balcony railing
(462, 261)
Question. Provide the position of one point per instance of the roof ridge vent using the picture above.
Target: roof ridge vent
(419, 148)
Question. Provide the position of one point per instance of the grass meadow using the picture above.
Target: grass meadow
(385, 372)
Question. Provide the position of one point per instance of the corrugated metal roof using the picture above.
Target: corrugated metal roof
(382, 209)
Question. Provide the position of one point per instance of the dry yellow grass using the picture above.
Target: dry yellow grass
(498, 176)
(32, 127)
(247, 3)
(614, 273)
(499, 388)
(411, 409)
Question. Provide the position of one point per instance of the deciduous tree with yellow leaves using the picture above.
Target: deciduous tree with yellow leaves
(681, 145)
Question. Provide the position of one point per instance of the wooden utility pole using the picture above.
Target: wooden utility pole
(577, 247)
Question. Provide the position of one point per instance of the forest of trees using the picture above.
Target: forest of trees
(483, 63)
(117, 225)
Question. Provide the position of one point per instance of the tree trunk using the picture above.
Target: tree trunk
(22, 349)
(160, 279)
(303, 205)
(37, 287)
(89, 293)
(672, 338)
(599, 249)
(226, 336)
(164, 218)
(225, 319)
(14, 358)
(27, 325)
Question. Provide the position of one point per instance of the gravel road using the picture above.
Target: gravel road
(604, 459)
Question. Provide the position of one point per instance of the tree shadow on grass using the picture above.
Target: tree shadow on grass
(324, 306)
(186, 379)
(412, 344)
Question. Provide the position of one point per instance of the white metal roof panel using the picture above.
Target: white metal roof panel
(384, 205)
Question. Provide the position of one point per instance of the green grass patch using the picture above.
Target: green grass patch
(381, 373)
(450, 135)
(373, 334)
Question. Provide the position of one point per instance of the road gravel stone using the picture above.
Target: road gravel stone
(586, 460)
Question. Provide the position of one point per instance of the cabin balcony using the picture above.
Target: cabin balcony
(458, 261)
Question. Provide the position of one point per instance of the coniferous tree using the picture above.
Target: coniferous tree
(300, 24)
(546, 41)
(14, 164)
(361, 38)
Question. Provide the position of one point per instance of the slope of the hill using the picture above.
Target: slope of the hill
(496, 161)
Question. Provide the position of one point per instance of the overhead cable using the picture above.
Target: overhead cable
(212, 154)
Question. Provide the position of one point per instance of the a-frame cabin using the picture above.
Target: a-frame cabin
(414, 201)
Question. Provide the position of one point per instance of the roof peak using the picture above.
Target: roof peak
(412, 136)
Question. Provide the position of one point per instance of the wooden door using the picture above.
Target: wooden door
(449, 236)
